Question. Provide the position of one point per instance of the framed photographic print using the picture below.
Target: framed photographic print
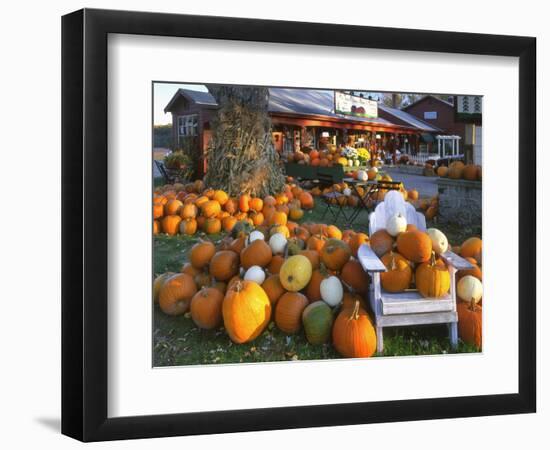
(273, 224)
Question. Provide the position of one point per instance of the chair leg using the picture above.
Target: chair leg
(453, 334)
(379, 340)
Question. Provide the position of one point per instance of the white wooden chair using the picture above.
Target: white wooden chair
(407, 308)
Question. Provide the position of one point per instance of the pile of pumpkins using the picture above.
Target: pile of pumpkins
(322, 158)
(186, 209)
(412, 259)
(458, 170)
(310, 280)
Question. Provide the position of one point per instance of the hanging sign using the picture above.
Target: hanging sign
(352, 105)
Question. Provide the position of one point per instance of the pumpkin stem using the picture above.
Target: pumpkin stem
(432, 259)
(355, 312)
(473, 306)
(239, 286)
(393, 266)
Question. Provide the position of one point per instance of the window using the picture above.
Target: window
(430, 115)
(187, 125)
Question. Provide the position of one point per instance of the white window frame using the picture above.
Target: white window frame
(190, 125)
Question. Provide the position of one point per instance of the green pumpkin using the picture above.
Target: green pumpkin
(317, 320)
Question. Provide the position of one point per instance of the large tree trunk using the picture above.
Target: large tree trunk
(241, 157)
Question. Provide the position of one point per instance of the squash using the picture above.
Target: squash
(201, 254)
(353, 334)
(273, 288)
(258, 253)
(362, 175)
(224, 265)
(246, 311)
(206, 308)
(470, 323)
(255, 235)
(355, 277)
(471, 247)
(295, 273)
(396, 224)
(256, 274)
(440, 244)
(176, 293)
(381, 242)
(432, 278)
(288, 312)
(317, 320)
(313, 257)
(277, 242)
(399, 274)
(335, 253)
(469, 289)
(332, 291)
(275, 264)
(244, 203)
(414, 245)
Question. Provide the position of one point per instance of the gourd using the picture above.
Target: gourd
(399, 274)
(396, 224)
(433, 279)
(295, 273)
(353, 334)
(469, 289)
(440, 244)
(317, 320)
(362, 175)
(255, 235)
(176, 293)
(288, 312)
(277, 242)
(332, 291)
(246, 311)
(256, 274)
(206, 308)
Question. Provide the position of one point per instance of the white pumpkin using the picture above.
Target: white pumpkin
(347, 192)
(357, 163)
(332, 291)
(469, 289)
(255, 235)
(440, 243)
(277, 242)
(362, 175)
(396, 224)
(256, 274)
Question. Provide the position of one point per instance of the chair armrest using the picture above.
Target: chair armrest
(369, 260)
(459, 263)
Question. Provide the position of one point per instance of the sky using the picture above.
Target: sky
(163, 93)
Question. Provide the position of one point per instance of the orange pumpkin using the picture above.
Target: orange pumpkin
(172, 207)
(158, 282)
(471, 247)
(188, 227)
(414, 245)
(158, 210)
(210, 208)
(201, 254)
(313, 288)
(228, 223)
(238, 244)
(300, 233)
(189, 269)
(335, 253)
(257, 218)
(278, 218)
(349, 299)
(306, 200)
(399, 274)
(353, 334)
(381, 242)
(470, 323)
(275, 264)
(356, 240)
(258, 253)
(256, 204)
(206, 308)
(313, 257)
(170, 224)
(157, 227)
(212, 225)
(188, 211)
(296, 213)
(470, 172)
(475, 272)
(224, 265)
(221, 197)
(316, 242)
(176, 293)
(333, 231)
(355, 277)
(273, 288)
(270, 201)
(246, 311)
(231, 206)
(288, 312)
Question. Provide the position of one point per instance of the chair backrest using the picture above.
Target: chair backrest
(393, 203)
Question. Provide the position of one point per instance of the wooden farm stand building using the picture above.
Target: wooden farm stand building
(304, 117)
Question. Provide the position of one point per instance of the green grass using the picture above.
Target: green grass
(177, 341)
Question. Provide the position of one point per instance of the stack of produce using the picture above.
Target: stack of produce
(347, 157)
(308, 279)
(458, 170)
(185, 209)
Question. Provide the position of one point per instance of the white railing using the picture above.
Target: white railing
(423, 157)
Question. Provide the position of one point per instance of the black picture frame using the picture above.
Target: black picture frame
(84, 224)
